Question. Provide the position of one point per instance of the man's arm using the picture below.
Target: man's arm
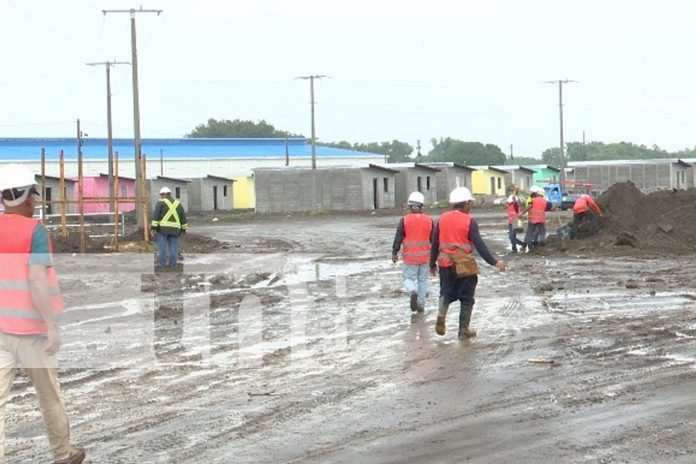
(39, 261)
(398, 239)
(435, 245)
(475, 237)
(182, 217)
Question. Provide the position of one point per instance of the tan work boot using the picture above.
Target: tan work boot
(440, 324)
(76, 456)
(466, 333)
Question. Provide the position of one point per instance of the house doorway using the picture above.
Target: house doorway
(375, 193)
(215, 200)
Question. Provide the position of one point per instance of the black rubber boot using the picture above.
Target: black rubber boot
(464, 319)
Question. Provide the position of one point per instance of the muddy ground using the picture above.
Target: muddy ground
(295, 344)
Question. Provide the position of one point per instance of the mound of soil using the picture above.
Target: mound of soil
(634, 223)
(190, 243)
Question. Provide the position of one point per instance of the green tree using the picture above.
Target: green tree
(394, 151)
(552, 157)
(472, 153)
(237, 128)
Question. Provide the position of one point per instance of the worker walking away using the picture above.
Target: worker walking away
(513, 212)
(584, 209)
(31, 301)
(455, 237)
(536, 222)
(168, 222)
(414, 232)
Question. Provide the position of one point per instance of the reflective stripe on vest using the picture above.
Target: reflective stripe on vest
(537, 213)
(417, 230)
(18, 313)
(171, 217)
(454, 234)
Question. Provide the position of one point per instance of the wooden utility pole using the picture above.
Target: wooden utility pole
(109, 126)
(139, 200)
(560, 83)
(311, 93)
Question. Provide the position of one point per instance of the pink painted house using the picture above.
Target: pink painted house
(94, 187)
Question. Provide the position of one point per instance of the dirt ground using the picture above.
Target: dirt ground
(293, 343)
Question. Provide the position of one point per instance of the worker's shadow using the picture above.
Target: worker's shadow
(168, 316)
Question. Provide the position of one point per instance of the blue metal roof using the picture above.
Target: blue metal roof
(26, 149)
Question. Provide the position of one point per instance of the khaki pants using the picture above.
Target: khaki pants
(41, 369)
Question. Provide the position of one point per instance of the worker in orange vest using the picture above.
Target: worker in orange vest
(30, 301)
(585, 208)
(513, 212)
(414, 232)
(536, 218)
(457, 231)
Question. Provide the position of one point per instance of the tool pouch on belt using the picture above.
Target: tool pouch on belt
(464, 264)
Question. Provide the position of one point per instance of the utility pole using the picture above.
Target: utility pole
(560, 83)
(110, 135)
(139, 205)
(418, 151)
(311, 93)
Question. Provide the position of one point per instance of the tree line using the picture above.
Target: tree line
(449, 149)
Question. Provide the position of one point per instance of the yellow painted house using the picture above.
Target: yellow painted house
(243, 195)
(487, 180)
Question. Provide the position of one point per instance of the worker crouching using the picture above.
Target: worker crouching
(585, 209)
(454, 239)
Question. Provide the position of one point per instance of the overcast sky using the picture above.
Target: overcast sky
(407, 70)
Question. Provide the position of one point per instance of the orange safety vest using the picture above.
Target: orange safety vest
(537, 213)
(513, 209)
(417, 230)
(454, 234)
(584, 204)
(18, 313)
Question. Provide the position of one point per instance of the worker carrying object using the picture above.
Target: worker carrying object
(536, 219)
(415, 233)
(31, 302)
(454, 239)
(168, 222)
(585, 208)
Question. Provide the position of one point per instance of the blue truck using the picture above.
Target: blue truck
(560, 199)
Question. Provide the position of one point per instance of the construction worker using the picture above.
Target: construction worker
(457, 230)
(585, 208)
(414, 231)
(536, 222)
(513, 212)
(30, 300)
(169, 222)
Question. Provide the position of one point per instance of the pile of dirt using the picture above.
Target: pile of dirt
(634, 223)
(190, 243)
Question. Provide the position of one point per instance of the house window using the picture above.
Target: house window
(385, 182)
(419, 184)
(177, 192)
(224, 190)
(427, 183)
(500, 183)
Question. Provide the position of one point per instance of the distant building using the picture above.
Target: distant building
(521, 176)
(179, 188)
(210, 193)
(301, 189)
(488, 181)
(414, 177)
(647, 175)
(544, 174)
(450, 176)
(179, 158)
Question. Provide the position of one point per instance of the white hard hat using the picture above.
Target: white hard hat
(15, 182)
(460, 195)
(537, 189)
(164, 190)
(416, 198)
